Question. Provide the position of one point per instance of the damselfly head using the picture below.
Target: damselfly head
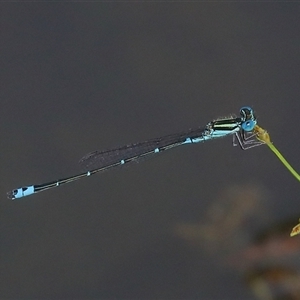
(248, 118)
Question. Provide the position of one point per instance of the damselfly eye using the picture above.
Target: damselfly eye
(248, 125)
(247, 113)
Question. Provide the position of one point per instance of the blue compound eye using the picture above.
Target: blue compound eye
(247, 113)
(247, 108)
(248, 125)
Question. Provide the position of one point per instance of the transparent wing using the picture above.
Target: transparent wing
(136, 152)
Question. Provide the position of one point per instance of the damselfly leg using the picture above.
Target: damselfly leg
(246, 140)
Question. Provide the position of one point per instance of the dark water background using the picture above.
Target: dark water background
(77, 77)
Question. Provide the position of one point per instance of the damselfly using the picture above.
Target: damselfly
(240, 127)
